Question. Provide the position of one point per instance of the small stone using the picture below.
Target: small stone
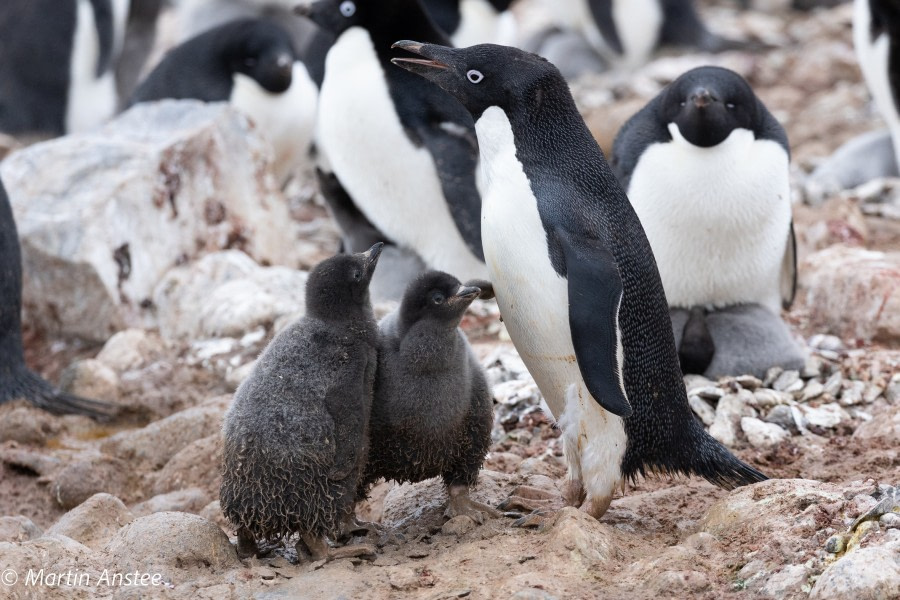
(762, 435)
(403, 578)
(893, 390)
(771, 375)
(729, 411)
(787, 381)
(459, 525)
(813, 390)
(702, 409)
(266, 573)
(873, 392)
(748, 382)
(93, 522)
(766, 398)
(831, 343)
(81, 479)
(813, 368)
(91, 378)
(782, 416)
(890, 520)
(696, 382)
(827, 416)
(833, 384)
(836, 544)
(130, 349)
(710, 393)
(869, 573)
(786, 582)
(853, 393)
(533, 594)
(18, 529)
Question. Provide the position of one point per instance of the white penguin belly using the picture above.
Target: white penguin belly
(285, 120)
(717, 218)
(873, 61)
(637, 22)
(394, 183)
(92, 99)
(480, 23)
(534, 303)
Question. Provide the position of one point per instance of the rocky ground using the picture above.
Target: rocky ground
(167, 325)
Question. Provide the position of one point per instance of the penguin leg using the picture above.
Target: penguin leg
(318, 549)
(461, 504)
(246, 543)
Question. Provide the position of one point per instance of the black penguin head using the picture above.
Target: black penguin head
(261, 50)
(437, 296)
(485, 75)
(707, 104)
(336, 16)
(339, 286)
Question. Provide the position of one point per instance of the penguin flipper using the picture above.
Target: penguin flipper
(789, 271)
(602, 11)
(595, 295)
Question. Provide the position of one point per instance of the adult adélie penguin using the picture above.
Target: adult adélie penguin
(575, 278)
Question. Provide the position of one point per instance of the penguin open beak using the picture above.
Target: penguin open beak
(435, 59)
(371, 255)
(464, 295)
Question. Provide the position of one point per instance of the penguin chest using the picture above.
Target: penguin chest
(92, 98)
(532, 296)
(393, 182)
(717, 218)
(285, 120)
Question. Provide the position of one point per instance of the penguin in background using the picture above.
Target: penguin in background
(57, 65)
(575, 278)
(707, 169)
(470, 22)
(625, 33)
(17, 381)
(251, 64)
(432, 410)
(876, 38)
(403, 150)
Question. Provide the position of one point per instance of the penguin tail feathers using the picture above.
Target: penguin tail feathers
(26, 385)
(716, 464)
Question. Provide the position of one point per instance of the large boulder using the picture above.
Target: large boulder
(104, 215)
(854, 293)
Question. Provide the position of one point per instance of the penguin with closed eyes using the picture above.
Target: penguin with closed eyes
(575, 278)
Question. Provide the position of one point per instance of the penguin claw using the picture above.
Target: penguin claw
(527, 499)
(535, 519)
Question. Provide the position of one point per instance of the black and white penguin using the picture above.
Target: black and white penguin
(707, 169)
(876, 37)
(296, 435)
(470, 22)
(405, 152)
(432, 412)
(575, 278)
(17, 382)
(250, 63)
(627, 32)
(57, 64)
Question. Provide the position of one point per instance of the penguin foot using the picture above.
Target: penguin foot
(529, 499)
(316, 548)
(596, 507)
(246, 544)
(461, 504)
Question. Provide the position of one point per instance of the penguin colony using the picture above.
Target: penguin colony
(456, 164)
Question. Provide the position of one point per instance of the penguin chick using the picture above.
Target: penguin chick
(16, 380)
(296, 435)
(432, 413)
(252, 64)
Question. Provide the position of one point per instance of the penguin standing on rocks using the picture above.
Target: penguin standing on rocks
(404, 151)
(57, 63)
(296, 435)
(433, 412)
(16, 380)
(876, 37)
(707, 169)
(575, 278)
(250, 63)
(470, 22)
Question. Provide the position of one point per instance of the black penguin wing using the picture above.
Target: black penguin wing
(789, 270)
(595, 295)
(437, 121)
(603, 18)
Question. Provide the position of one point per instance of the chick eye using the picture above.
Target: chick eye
(683, 103)
(729, 105)
(437, 297)
(474, 76)
(357, 275)
(348, 8)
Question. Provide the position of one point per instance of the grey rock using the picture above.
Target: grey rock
(459, 525)
(785, 582)
(890, 520)
(163, 183)
(26, 424)
(787, 381)
(853, 393)
(782, 416)
(811, 391)
(766, 398)
(194, 466)
(871, 573)
(192, 500)
(729, 411)
(833, 384)
(93, 522)
(762, 435)
(887, 426)
(702, 409)
(81, 479)
(130, 349)
(827, 416)
(748, 382)
(91, 378)
(771, 375)
(18, 529)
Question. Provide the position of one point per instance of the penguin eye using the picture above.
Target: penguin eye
(683, 102)
(357, 275)
(729, 105)
(474, 76)
(348, 8)
(437, 297)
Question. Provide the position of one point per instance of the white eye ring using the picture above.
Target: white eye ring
(729, 105)
(348, 8)
(474, 76)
